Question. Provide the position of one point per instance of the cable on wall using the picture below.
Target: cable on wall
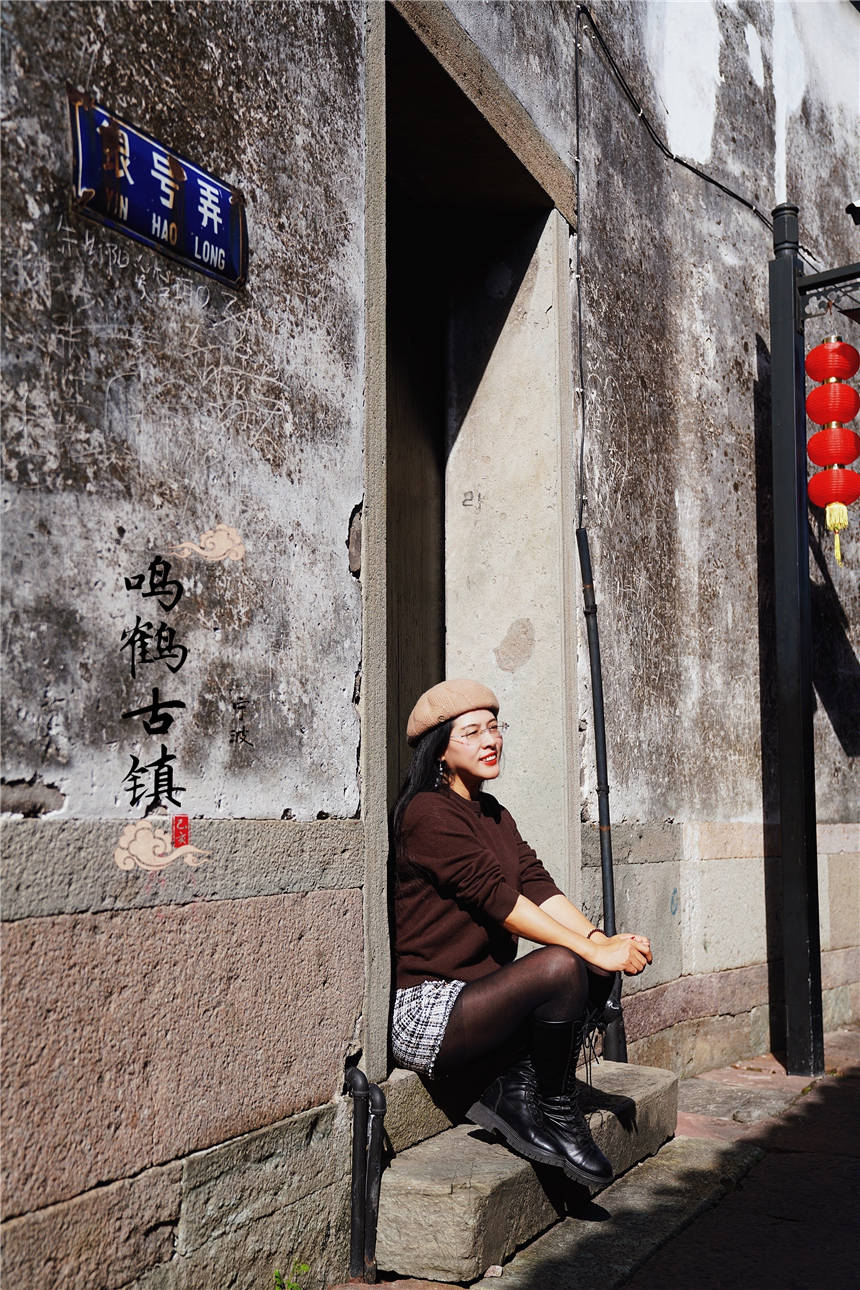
(580, 388)
(583, 10)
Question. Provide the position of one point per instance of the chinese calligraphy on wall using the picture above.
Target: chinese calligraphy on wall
(154, 654)
(150, 646)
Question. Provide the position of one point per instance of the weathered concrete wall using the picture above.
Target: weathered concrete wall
(677, 449)
(676, 333)
(177, 1025)
(678, 462)
(144, 405)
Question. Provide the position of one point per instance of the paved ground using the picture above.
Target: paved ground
(775, 1211)
(792, 1221)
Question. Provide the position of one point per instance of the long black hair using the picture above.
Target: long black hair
(422, 777)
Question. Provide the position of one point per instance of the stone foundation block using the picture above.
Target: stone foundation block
(634, 843)
(191, 1025)
(836, 838)
(314, 1230)
(264, 1173)
(729, 840)
(724, 904)
(76, 873)
(411, 1115)
(840, 967)
(690, 998)
(836, 1007)
(102, 1238)
(693, 1046)
(843, 890)
(654, 907)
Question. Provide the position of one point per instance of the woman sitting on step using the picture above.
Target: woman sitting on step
(467, 886)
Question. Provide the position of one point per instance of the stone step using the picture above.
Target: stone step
(461, 1202)
(637, 1215)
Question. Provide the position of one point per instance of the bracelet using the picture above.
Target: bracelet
(591, 933)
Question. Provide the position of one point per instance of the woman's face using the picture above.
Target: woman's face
(474, 751)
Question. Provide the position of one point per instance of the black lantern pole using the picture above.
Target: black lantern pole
(804, 1031)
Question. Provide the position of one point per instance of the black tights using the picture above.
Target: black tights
(550, 984)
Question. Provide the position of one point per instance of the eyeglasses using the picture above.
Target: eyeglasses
(473, 734)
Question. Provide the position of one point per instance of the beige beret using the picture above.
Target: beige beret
(446, 700)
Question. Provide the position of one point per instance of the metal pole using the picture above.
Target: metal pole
(356, 1084)
(615, 1039)
(804, 1033)
(374, 1178)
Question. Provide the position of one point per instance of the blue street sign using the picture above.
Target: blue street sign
(126, 179)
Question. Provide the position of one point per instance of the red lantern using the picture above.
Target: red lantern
(832, 445)
(835, 486)
(831, 403)
(833, 359)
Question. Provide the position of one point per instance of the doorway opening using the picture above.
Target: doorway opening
(464, 219)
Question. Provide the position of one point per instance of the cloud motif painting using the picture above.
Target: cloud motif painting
(141, 846)
(221, 543)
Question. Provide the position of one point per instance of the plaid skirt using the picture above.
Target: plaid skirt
(418, 1023)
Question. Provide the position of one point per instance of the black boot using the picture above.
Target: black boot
(556, 1046)
(508, 1106)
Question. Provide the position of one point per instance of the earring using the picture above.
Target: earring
(441, 770)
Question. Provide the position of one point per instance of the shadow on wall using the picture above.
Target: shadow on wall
(835, 667)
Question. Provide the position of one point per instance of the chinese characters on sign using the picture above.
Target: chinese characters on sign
(126, 179)
(154, 781)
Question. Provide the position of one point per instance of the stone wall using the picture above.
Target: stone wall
(176, 1029)
(677, 362)
(710, 895)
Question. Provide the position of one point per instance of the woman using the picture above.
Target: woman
(467, 887)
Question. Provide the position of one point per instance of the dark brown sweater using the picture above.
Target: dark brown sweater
(463, 864)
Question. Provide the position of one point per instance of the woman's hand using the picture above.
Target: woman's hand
(627, 952)
(557, 922)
